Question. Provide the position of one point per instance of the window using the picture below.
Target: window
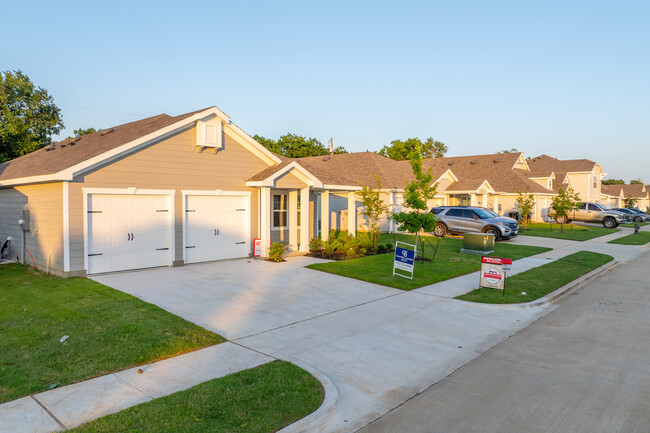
(298, 216)
(468, 213)
(279, 211)
(549, 184)
(455, 213)
(595, 182)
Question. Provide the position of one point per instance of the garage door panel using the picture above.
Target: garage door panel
(128, 232)
(216, 228)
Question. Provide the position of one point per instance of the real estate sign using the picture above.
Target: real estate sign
(493, 272)
(257, 247)
(404, 259)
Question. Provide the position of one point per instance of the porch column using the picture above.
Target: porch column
(496, 204)
(352, 213)
(265, 220)
(485, 198)
(472, 199)
(325, 215)
(391, 203)
(304, 220)
(293, 220)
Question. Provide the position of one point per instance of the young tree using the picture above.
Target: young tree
(564, 203)
(416, 195)
(401, 150)
(374, 208)
(295, 146)
(631, 202)
(28, 116)
(525, 204)
(613, 182)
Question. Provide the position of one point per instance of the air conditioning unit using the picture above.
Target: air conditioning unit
(209, 133)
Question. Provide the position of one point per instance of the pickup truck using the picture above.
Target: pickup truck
(591, 212)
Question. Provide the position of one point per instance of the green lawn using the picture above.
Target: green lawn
(262, 399)
(449, 263)
(108, 330)
(540, 281)
(631, 225)
(572, 232)
(641, 238)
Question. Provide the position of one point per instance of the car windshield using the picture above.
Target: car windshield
(483, 214)
(494, 214)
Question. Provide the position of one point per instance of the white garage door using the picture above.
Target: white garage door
(128, 232)
(216, 228)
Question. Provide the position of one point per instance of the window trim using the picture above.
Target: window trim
(285, 211)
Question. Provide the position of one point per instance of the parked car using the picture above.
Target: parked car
(592, 212)
(640, 211)
(470, 219)
(633, 215)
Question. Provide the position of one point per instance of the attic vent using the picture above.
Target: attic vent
(450, 163)
(107, 131)
(326, 158)
(496, 160)
(473, 162)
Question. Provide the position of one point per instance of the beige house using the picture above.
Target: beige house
(583, 175)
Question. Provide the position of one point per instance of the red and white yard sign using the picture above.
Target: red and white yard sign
(493, 272)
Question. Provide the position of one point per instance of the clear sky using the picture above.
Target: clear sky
(567, 78)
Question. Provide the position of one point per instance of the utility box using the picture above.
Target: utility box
(25, 221)
(478, 243)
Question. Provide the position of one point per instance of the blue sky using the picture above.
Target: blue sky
(569, 79)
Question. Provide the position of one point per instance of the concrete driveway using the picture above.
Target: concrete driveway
(373, 346)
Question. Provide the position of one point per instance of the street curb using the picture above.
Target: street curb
(318, 420)
(570, 287)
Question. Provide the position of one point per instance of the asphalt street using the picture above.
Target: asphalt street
(585, 367)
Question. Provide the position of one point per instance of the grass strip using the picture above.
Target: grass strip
(540, 281)
(107, 331)
(631, 225)
(640, 238)
(572, 232)
(449, 263)
(262, 399)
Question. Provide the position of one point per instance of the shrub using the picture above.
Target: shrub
(277, 251)
(389, 247)
(381, 249)
(351, 253)
(331, 245)
(315, 245)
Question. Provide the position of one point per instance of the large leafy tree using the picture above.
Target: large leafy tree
(416, 195)
(28, 116)
(296, 146)
(613, 182)
(401, 150)
(636, 182)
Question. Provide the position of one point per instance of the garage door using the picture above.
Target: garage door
(128, 232)
(216, 228)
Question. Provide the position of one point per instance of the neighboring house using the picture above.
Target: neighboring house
(612, 196)
(637, 191)
(583, 175)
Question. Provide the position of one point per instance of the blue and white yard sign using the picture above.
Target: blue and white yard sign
(404, 259)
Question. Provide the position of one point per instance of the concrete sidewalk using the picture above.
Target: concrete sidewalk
(372, 347)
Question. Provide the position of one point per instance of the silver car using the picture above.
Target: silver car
(466, 219)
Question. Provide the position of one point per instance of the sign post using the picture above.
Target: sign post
(493, 273)
(404, 259)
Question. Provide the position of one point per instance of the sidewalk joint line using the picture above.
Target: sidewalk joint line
(135, 386)
(190, 365)
(257, 351)
(58, 421)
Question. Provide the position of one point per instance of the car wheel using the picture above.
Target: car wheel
(562, 220)
(440, 230)
(609, 223)
(637, 219)
(493, 231)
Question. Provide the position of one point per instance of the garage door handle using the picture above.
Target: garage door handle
(216, 232)
(161, 249)
(128, 236)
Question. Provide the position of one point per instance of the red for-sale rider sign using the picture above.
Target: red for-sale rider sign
(493, 272)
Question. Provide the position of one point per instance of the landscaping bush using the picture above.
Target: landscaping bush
(381, 249)
(277, 251)
(315, 245)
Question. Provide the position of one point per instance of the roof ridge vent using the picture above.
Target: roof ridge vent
(450, 163)
(473, 161)
(106, 131)
(496, 160)
(326, 158)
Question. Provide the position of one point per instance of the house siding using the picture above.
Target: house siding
(171, 164)
(44, 240)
